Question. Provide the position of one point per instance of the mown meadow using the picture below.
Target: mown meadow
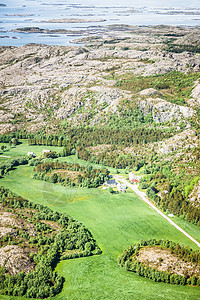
(23, 148)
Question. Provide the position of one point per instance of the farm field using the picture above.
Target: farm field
(115, 221)
(24, 148)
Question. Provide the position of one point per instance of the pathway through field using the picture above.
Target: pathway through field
(143, 196)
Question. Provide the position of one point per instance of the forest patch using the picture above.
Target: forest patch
(33, 240)
(70, 174)
(163, 261)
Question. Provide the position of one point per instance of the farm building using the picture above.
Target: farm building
(31, 154)
(121, 187)
(133, 178)
(45, 151)
(111, 182)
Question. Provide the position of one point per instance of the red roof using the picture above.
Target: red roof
(135, 180)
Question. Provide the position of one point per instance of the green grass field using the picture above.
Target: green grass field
(115, 221)
(24, 148)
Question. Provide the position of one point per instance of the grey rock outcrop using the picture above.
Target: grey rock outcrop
(195, 100)
(164, 111)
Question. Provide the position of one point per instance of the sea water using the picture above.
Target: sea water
(30, 13)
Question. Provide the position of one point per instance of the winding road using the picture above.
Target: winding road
(143, 196)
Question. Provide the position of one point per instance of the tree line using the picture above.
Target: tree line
(91, 136)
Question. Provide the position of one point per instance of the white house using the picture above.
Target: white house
(131, 176)
(121, 187)
(45, 151)
(31, 154)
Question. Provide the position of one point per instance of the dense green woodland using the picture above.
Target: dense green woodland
(91, 136)
(46, 248)
(176, 190)
(128, 260)
(86, 177)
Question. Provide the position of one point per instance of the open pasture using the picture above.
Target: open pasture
(23, 148)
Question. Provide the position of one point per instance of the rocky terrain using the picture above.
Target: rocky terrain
(77, 85)
(194, 196)
(9, 223)
(162, 260)
(15, 260)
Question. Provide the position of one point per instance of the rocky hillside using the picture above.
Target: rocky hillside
(43, 85)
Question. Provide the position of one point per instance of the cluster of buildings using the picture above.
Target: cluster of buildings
(120, 186)
(33, 154)
(110, 182)
(113, 183)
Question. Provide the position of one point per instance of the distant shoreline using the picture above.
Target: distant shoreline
(82, 35)
(58, 22)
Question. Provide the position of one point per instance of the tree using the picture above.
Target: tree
(193, 280)
(183, 280)
(15, 141)
(54, 178)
